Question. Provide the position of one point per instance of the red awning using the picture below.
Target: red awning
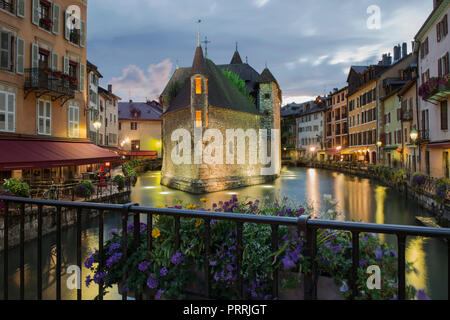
(141, 153)
(31, 154)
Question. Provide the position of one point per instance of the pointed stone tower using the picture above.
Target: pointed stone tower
(199, 90)
(236, 57)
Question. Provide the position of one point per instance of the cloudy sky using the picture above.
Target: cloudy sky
(308, 45)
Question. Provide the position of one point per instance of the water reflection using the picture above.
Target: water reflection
(360, 199)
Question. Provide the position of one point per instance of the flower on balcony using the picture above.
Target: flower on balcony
(432, 85)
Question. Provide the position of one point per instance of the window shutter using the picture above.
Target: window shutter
(55, 58)
(66, 29)
(21, 8)
(34, 55)
(446, 67)
(445, 25)
(440, 67)
(66, 65)
(82, 78)
(56, 18)
(35, 12)
(438, 32)
(82, 33)
(20, 59)
(5, 50)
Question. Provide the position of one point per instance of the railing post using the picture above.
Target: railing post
(207, 223)
(401, 240)
(100, 250)
(125, 211)
(355, 263)
(5, 249)
(22, 251)
(275, 249)
(305, 231)
(240, 282)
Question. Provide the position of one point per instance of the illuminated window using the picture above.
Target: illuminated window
(198, 85)
(206, 119)
(198, 119)
(206, 91)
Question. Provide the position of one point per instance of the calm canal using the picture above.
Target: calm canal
(360, 199)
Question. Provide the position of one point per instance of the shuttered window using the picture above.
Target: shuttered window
(21, 8)
(5, 50)
(44, 117)
(7, 111)
(20, 56)
(74, 121)
(444, 115)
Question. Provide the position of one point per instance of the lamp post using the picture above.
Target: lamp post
(379, 144)
(414, 135)
(97, 125)
(313, 150)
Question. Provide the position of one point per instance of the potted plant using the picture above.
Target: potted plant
(84, 189)
(16, 187)
(441, 189)
(119, 180)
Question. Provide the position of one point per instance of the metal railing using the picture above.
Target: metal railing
(8, 6)
(49, 80)
(306, 227)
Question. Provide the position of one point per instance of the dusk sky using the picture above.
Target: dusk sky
(308, 45)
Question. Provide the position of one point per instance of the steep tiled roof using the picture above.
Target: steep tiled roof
(199, 64)
(236, 58)
(139, 110)
(245, 72)
(221, 93)
(266, 77)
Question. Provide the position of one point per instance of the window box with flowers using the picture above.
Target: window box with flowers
(437, 88)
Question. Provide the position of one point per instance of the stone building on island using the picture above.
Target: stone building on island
(207, 100)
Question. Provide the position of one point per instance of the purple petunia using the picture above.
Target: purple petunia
(159, 294)
(98, 277)
(163, 272)
(113, 259)
(88, 281)
(421, 295)
(177, 258)
(113, 247)
(143, 265)
(89, 261)
(379, 253)
(152, 283)
(337, 249)
(344, 288)
(213, 263)
(287, 263)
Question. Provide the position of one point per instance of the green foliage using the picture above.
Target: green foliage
(84, 189)
(171, 279)
(119, 180)
(441, 187)
(239, 84)
(174, 89)
(17, 187)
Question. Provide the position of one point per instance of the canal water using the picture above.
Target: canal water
(360, 199)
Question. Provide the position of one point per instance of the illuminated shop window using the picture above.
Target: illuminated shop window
(198, 119)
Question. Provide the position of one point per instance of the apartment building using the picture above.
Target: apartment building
(311, 128)
(93, 77)
(43, 132)
(432, 46)
(336, 132)
(391, 131)
(363, 112)
(109, 118)
(140, 129)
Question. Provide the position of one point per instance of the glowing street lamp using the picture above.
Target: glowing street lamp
(414, 135)
(97, 125)
(379, 144)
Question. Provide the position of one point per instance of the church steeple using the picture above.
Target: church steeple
(236, 57)
(199, 63)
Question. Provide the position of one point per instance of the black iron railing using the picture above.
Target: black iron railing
(8, 5)
(50, 81)
(424, 135)
(306, 227)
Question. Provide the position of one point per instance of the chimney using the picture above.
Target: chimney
(413, 46)
(110, 88)
(404, 49)
(397, 53)
(131, 101)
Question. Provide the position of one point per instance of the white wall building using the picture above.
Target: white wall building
(93, 84)
(109, 116)
(310, 128)
(433, 46)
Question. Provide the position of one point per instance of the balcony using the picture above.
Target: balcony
(74, 36)
(436, 89)
(49, 82)
(8, 5)
(46, 23)
(424, 135)
(407, 115)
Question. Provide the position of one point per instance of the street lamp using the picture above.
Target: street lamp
(379, 144)
(414, 135)
(97, 125)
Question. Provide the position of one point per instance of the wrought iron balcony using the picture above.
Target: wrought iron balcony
(8, 5)
(436, 89)
(424, 135)
(49, 82)
(407, 115)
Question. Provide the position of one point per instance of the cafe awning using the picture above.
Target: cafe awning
(439, 145)
(35, 154)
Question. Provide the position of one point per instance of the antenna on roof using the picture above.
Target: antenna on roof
(236, 46)
(177, 66)
(246, 59)
(266, 64)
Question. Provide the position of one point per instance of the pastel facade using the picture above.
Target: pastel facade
(432, 46)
